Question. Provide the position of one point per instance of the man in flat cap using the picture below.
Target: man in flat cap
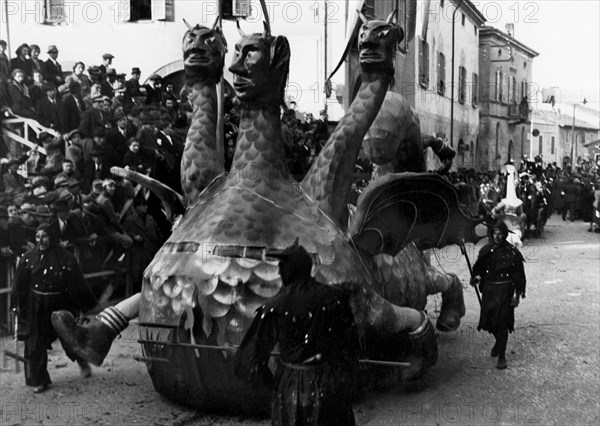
(106, 62)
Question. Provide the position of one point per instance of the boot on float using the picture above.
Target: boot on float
(453, 307)
(93, 340)
(425, 351)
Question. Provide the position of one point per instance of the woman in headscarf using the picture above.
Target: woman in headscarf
(48, 279)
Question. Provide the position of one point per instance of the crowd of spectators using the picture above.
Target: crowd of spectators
(96, 119)
(572, 192)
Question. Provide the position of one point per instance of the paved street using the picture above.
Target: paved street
(553, 375)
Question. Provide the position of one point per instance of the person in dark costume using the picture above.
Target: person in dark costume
(318, 340)
(500, 274)
(47, 279)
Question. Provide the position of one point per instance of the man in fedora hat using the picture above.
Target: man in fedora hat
(68, 226)
(106, 62)
(47, 108)
(501, 278)
(43, 214)
(318, 341)
(52, 69)
(132, 86)
(97, 169)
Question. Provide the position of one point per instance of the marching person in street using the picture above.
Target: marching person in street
(47, 279)
(319, 346)
(500, 274)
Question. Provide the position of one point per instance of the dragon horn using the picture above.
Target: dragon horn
(188, 24)
(363, 18)
(391, 17)
(217, 24)
(237, 23)
(266, 22)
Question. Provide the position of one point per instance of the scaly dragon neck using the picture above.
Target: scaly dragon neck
(200, 162)
(259, 156)
(330, 177)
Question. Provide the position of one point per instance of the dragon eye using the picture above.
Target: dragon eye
(382, 34)
(209, 41)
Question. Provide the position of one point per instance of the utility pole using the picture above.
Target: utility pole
(325, 54)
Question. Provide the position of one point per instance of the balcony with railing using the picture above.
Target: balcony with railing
(518, 113)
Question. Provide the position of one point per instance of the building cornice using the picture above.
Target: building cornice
(472, 11)
(490, 32)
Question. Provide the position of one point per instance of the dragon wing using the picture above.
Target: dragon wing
(402, 207)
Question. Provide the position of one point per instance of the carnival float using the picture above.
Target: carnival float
(202, 288)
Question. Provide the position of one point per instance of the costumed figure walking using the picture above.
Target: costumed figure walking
(314, 326)
(48, 279)
(500, 274)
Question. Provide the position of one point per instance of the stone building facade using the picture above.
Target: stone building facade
(505, 93)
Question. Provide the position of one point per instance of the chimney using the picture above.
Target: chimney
(510, 29)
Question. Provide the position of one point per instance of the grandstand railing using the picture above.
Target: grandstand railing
(22, 131)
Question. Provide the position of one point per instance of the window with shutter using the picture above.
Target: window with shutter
(462, 84)
(423, 63)
(163, 10)
(540, 145)
(510, 90)
(475, 89)
(54, 11)
(234, 9)
(441, 74)
(124, 11)
(140, 10)
(499, 86)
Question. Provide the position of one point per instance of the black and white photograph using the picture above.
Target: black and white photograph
(303, 212)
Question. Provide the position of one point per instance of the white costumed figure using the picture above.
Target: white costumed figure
(510, 209)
